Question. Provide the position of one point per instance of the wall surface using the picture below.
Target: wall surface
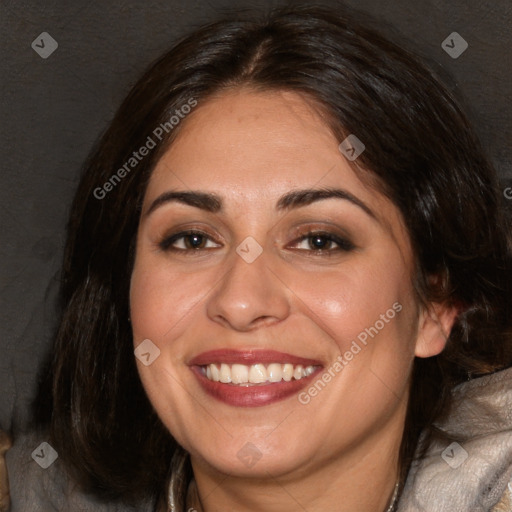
(54, 108)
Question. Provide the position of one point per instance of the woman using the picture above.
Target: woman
(286, 258)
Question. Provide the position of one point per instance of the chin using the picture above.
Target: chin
(253, 461)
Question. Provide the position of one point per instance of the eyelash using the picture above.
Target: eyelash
(167, 243)
(343, 244)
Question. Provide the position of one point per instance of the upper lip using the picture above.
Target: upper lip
(250, 357)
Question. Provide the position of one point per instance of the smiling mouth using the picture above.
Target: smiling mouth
(256, 374)
(252, 377)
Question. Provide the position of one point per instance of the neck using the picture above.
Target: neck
(362, 478)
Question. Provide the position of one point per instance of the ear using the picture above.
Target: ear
(434, 328)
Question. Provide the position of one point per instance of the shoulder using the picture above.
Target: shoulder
(505, 504)
(38, 480)
(473, 472)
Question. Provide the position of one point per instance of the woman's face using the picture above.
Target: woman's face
(261, 256)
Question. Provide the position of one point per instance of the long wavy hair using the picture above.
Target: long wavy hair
(420, 151)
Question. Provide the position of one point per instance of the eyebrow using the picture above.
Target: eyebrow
(304, 197)
(204, 201)
(294, 199)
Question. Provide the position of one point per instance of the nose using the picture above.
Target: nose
(249, 295)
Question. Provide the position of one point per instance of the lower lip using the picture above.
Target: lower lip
(252, 396)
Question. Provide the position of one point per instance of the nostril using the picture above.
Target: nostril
(246, 325)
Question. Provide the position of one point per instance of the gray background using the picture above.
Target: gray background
(52, 110)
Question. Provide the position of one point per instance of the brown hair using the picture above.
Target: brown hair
(420, 150)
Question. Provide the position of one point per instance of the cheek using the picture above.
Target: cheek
(160, 298)
(161, 303)
(146, 299)
(369, 319)
(367, 314)
(347, 301)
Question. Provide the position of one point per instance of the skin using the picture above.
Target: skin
(339, 451)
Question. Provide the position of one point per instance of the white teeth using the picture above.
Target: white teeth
(225, 373)
(287, 372)
(309, 370)
(297, 373)
(256, 373)
(239, 374)
(275, 372)
(215, 372)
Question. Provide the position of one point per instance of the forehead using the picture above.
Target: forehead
(255, 142)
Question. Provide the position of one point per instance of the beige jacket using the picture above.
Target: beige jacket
(474, 475)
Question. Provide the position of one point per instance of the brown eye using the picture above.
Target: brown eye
(188, 241)
(321, 242)
(194, 241)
